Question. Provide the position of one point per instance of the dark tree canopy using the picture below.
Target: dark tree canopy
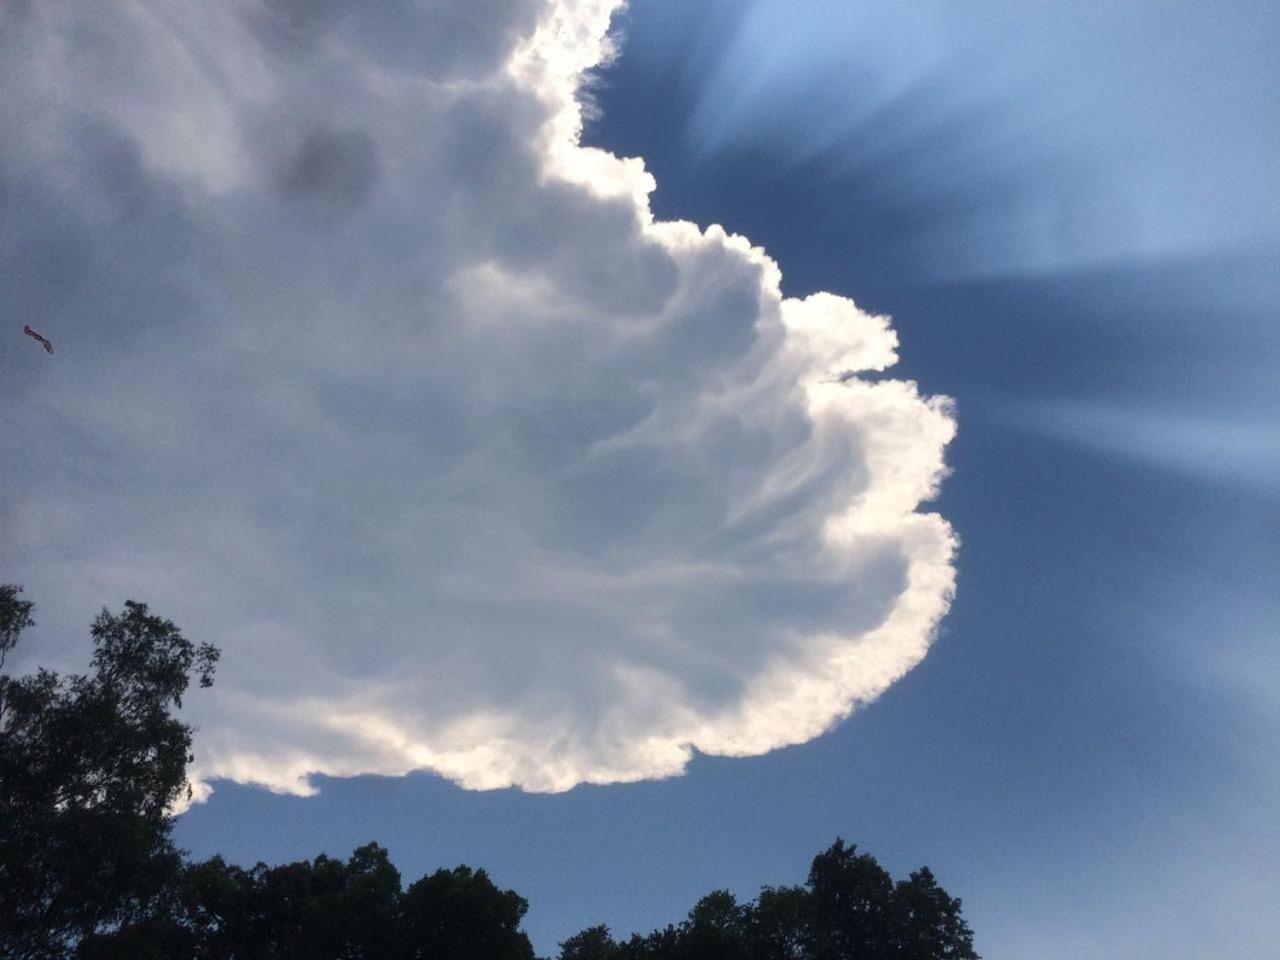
(15, 616)
(850, 909)
(594, 943)
(90, 767)
(459, 914)
(851, 897)
(778, 924)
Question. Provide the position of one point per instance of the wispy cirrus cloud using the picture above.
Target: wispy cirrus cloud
(1207, 447)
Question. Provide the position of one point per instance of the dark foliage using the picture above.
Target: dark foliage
(90, 767)
(460, 915)
(850, 909)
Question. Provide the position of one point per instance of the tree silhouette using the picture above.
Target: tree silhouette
(927, 921)
(460, 915)
(850, 909)
(594, 943)
(714, 929)
(778, 925)
(850, 895)
(90, 767)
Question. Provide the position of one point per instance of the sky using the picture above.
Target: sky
(626, 449)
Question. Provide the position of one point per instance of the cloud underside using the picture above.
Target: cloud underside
(371, 375)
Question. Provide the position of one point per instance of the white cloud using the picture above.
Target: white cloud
(369, 374)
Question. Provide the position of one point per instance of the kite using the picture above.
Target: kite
(45, 343)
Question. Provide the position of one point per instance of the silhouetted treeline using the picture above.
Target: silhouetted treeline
(91, 765)
(850, 909)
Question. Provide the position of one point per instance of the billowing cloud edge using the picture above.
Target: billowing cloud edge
(813, 349)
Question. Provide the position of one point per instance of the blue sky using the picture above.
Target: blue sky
(1070, 213)
(1087, 755)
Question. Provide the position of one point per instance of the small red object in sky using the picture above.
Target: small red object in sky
(31, 333)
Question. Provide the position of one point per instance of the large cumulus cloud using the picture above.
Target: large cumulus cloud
(371, 375)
